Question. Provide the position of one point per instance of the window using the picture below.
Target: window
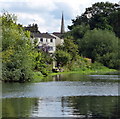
(51, 40)
(39, 47)
(50, 48)
(41, 40)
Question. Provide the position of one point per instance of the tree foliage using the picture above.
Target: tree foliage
(77, 32)
(95, 33)
(115, 22)
(101, 15)
(69, 47)
(101, 46)
(32, 28)
(62, 57)
(42, 61)
(16, 51)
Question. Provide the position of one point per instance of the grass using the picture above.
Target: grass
(38, 77)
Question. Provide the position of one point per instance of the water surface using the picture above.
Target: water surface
(67, 95)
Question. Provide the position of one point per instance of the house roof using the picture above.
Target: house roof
(43, 35)
(58, 34)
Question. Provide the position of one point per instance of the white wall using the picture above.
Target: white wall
(56, 41)
(48, 42)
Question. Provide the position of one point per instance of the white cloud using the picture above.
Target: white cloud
(47, 13)
(47, 5)
(46, 22)
(28, 17)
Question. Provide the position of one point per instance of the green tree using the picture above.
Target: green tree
(16, 51)
(42, 61)
(32, 28)
(101, 15)
(114, 20)
(101, 46)
(70, 47)
(77, 33)
(62, 57)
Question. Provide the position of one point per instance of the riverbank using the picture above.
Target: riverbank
(38, 77)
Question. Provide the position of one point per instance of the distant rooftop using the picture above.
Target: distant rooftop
(58, 34)
(43, 35)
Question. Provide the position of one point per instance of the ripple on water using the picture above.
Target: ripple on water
(59, 89)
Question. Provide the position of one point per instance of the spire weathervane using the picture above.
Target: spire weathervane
(62, 24)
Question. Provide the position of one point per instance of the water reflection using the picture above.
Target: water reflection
(78, 77)
(81, 106)
(96, 106)
(18, 107)
(105, 77)
(67, 95)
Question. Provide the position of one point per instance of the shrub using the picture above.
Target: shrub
(16, 50)
(100, 46)
(62, 57)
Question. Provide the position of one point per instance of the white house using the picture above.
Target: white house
(47, 41)
(59, 38)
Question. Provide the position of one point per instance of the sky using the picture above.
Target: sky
(47, 13)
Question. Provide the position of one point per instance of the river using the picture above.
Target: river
(65, 95)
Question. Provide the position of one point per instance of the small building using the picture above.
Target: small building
(45, 41)
(59, 38)
(49, 41)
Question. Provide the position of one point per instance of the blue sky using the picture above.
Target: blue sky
(47, 13)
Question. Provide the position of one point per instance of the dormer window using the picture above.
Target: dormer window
(51, 40)
(41, 40)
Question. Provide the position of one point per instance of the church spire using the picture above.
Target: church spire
(62, 24)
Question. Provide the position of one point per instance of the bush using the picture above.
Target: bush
(16, 50)
(62, 57)
(97, 65)
(100, 46)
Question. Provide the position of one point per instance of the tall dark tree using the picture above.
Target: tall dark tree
(32, 28)
(114, 20)
(77, 32)
(101, 15)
